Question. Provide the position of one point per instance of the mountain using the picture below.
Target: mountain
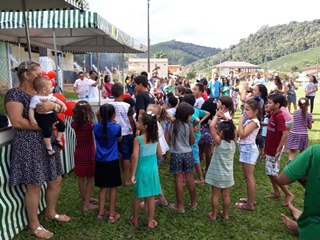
(268, 43)
(294, 61)
(180, 52)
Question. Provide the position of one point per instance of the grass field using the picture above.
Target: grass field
(263, 223)
(299, 59)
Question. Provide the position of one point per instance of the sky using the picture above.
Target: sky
(208, 23)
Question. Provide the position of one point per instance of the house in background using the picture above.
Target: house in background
(312, 70)
(175, 70)
(237, 67)
(137, 65)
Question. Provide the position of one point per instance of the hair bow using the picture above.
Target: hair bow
(150, 113)
(302, 101)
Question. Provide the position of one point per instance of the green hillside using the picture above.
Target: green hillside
(180, 52)
(294, 61)
(268, 43)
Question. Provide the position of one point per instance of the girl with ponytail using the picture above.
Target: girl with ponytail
(298, 135)
(107, 171)
(145, 174)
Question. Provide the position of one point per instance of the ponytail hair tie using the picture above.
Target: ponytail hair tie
(257, 98)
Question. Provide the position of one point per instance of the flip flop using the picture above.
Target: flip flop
(194, 207)
(41, 232)
(153, 225)
(245, 200)
(106, 213)
(58, 143)
(211, 218)
(58, 218)
(134, 221)
(114, 218)
(162, 203)
(244, 206)
(174, 207)
(223, 216)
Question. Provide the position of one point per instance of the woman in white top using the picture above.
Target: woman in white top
(311, 89)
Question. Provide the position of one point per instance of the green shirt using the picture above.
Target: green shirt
(169, 89)
(307, 164)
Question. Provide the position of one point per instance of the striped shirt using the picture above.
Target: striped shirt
(300, 125)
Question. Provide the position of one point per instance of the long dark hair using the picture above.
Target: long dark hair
(263, 93)
(184, 110)
(150, 120)
(106, 111)
(82, 113)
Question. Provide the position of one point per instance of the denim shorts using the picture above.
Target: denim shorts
(126, 147)
(181, 163)
(249, 153)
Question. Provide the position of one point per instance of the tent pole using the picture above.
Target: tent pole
(123, 68)
(26, 27)
(99, 79)
(55, 60)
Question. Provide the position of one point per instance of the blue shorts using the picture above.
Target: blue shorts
(249, 153)
(181, 163)
(195, 153)
(126, 147)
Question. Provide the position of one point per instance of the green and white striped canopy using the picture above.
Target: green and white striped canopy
(18, 5)
(76, 31)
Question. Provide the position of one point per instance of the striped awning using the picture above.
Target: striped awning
(76, 31)
(17, 5)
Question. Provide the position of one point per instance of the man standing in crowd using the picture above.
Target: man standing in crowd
(214, 86)
(81, 86)
(93, 86)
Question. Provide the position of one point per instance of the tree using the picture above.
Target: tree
(159, 54)
(191, 74)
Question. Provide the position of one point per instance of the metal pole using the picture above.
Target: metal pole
(57, 89)
(26, 28)
(123, 68)
(148, 36)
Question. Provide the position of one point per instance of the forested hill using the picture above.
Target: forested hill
(268, 43)
(180, 52)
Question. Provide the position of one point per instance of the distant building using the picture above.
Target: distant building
(175, 70)
(137, 65)
(238, 67)
(312, 70)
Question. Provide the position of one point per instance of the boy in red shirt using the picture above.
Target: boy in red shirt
(277, 134)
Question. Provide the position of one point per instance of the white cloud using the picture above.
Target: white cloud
(204, 22)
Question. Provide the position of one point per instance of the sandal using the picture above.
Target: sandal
(58, 143)
(245, 200)
(50, 151)
(244, 206)
(224, 217)
(194, 207)
(58, 218)
(106, 213)
(91, 207)
(211, 218)
(162, 203)
(114, 218)
(175, 208)
(134, 221)
(41, 232)
(153, 225)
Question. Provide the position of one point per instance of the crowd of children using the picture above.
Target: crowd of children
(185, 128)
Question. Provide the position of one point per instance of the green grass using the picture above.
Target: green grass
(299, 59)
(263, 223)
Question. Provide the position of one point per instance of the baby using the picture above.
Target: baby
(45, 121)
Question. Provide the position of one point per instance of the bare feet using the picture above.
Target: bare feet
(224, 216)
(199, 181)
(273, 196)
(290, 224)
(287, 200)
(294, 211)
(128, 183)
